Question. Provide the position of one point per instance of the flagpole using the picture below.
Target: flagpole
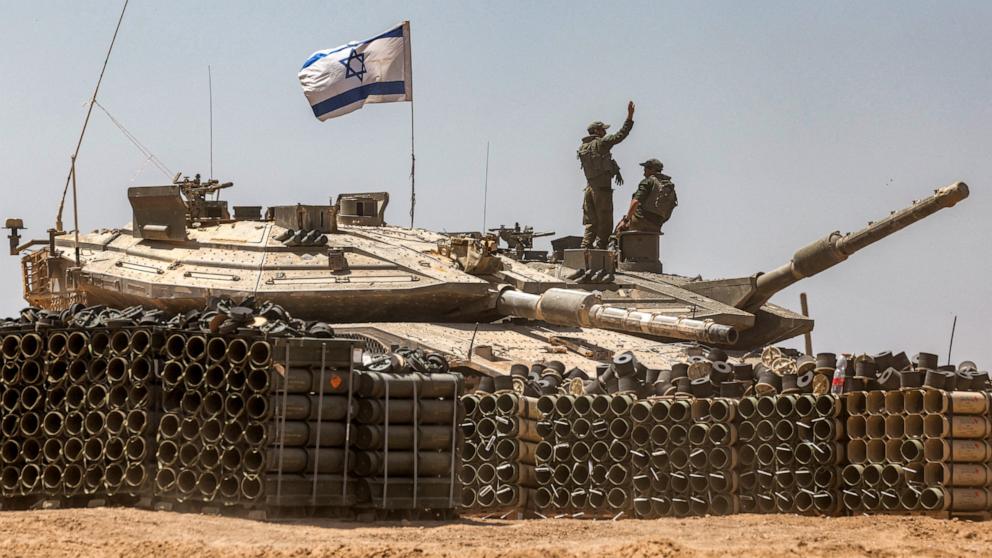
(413, 169)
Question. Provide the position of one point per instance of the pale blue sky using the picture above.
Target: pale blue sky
(779, 121)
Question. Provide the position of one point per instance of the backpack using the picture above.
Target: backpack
(662, 200)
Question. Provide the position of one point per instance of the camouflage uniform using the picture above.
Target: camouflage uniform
(599, 168)
(656, 199)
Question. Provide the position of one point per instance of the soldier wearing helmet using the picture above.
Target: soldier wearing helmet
(653, 202)
(600, 170)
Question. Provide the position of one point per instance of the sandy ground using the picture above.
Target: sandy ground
(136, 533)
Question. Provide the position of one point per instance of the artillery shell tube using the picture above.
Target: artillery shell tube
(141, 342)
(30, 424)
(120, 342)
(857, 403)
(401, 411)
(193, 376)
(93, 478)
(806, 406)
(260, 354)
(117, 397)
(51, 478)
(913, 401)
(135, 476)
(77, 343)
(207, 484)
(237, 351)
(186, 482)
(640, 412)
(723, 410)
(785, 406)
(175, 346)
(895, 426)
(165, 479)
(172, 373)
(10, 346)
(93, 449)
(196, 348)
(214, 377)
(470, 405)
(31, 346)
(31, 476)
(956, 426)
(216, 349)
(31, 372)
(52, 450)
(114, 449)
(72, 450)
(914, 425)
(546, 404)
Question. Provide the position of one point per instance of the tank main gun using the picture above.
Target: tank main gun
(835, 248)
(569, 307)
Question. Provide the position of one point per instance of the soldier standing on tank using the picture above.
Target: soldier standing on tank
(600, 169)
(653, 202)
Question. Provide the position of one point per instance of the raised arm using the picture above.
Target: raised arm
(621, 134)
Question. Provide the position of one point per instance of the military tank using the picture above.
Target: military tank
(341, 263)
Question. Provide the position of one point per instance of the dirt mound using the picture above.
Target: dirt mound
(136, 533)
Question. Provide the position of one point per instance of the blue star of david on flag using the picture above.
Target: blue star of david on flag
(350, 66)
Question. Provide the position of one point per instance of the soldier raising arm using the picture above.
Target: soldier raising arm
(612, 139)
(600, 170)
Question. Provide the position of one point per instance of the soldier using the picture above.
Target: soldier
(600, 168)
(653, 202)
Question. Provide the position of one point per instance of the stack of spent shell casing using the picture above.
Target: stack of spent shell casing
(501, 440)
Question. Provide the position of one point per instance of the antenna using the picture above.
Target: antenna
(210, 89)
(485, 191)
(75, 154)
(950, 346)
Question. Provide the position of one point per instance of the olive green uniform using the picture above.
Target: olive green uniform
(656, 200)
(599, 168)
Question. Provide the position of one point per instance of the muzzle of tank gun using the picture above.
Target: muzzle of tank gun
(835, 248)
(580, 308)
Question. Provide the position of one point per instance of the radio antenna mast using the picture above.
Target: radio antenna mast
(210, 89)
(485, 191)
(75, 154)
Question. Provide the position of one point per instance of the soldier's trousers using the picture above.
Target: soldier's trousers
(597, 216)
(643, 225)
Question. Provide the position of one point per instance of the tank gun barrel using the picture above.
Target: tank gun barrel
(570, 307)
(835, 248)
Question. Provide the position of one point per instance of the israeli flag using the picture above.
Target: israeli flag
(378, 70)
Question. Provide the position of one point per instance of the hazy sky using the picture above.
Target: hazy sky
(779, 122)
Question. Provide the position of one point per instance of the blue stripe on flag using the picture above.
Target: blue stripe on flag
(358, 94)
(392, 33)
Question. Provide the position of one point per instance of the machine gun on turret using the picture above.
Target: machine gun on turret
(519, 240)
(197, 204)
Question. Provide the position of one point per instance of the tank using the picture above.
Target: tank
(341, 263)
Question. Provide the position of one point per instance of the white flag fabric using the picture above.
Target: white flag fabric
(378, 70)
